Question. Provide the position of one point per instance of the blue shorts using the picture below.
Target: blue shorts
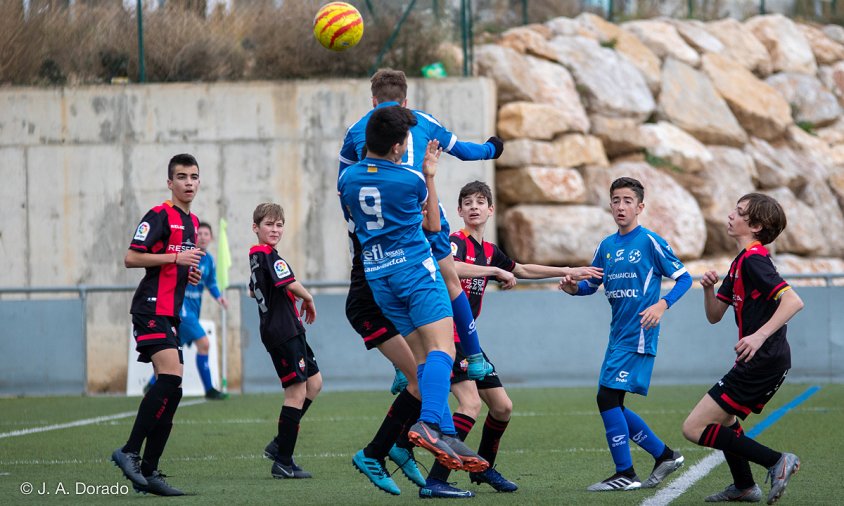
(189, 331)
(627, 370)
(413, 297)
(440, 243)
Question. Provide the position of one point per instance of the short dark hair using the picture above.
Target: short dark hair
(387, 127)
(184, 159)
(629, 182)
(764, 211)
(475, 188)
(267, 210)
(206, 225)
(389, 85)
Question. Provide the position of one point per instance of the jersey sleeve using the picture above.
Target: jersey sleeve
(280, 272)
(761, 272)
(152, 230)
(348, 153)
(500, 260)
(458, 248)
(664, 259)
(211, 277)
(725, 292)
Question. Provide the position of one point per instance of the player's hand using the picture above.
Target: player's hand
(506, 278)
(194, 276)
(308, 311)
(581, 273)
(497, 144)
(432, 157)
(568, 285)
(653, 315)
(747, 346)
(190, 257)
(223, 302)
(709, 279)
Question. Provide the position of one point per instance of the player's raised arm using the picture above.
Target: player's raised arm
(431, 221)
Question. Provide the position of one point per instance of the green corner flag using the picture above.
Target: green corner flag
(224, 257)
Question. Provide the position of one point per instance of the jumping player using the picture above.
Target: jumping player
(763, 304)
(634, 261)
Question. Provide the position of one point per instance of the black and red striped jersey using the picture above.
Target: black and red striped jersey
(276, 304)
(754, 287)
(464, 248)
(164, 229)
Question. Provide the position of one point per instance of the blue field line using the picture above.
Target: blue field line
(781, 412)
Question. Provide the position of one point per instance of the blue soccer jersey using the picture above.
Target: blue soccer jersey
(383, 202)
(193, 293)
(634, 265)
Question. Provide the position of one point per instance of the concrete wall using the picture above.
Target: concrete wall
(80, 166)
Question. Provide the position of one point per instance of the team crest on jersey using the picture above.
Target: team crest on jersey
(371, 168)
(464, 365)
(281, 269)
(454, 249)
(302, 364)
(634, 256)
(142, 231)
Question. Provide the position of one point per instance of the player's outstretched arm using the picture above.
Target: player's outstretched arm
(468, 271)
(536, 271)
(431, 220)
(491, 149)
(308, 309)
(790, 304)
(714, 307)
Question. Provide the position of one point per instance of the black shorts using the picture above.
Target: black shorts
(154, 333)
(293, 360)
(741, 392)
(366, 317)
(458, 373)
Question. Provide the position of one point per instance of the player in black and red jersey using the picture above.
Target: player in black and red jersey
(275, 289)
(476, 261)
(763, 304)
(165, 245)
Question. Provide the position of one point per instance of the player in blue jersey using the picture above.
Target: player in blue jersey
(384, 202)
(634, 261)
(190, 331)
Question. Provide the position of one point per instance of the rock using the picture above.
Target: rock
(527, 152)
(810, 102)
(539, 185)
(696, 35)
(625, 43)
(555, 235)
(662, 38)
(670, 210)
(741, 46)
(576, 150)
(610, 84)
(538, 121)
(802, 235)
(571, 150)
(719, 264)
(508, 68)
(832, 76)
(776, 166)
(689, 100)
(809, 145)
(759, 108)
(836, 184)
(788, 265)
(830, 220)
(834, 32)
(826, 50)
(788, 47)
(620, 136)
(682, 151)
(832, 134)
(568, 27)
(527, 41)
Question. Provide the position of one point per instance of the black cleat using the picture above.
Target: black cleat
(271, 450)
(215, 395)
(157, 486)
(283, 471)
(130, 464)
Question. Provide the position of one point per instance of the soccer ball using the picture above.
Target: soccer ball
(338, 26)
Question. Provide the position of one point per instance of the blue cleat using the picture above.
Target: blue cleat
(494, 479)
(407, 463)
(478, 367)
(399, 382)
(374, 470)
(439, 489)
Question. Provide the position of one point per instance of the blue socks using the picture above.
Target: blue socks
(464, 321)
(617, 438)
(642, 435)
(434, 384)
(204, 371)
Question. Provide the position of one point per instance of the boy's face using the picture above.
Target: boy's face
(625, 208)
(475, 210)
(185, 183)
(269, 231)
(203, 237)
(737, 226)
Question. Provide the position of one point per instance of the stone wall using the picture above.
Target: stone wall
(700, 112)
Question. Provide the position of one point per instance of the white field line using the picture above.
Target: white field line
(685, 481)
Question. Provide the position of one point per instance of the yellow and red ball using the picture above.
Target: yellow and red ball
(338, 26)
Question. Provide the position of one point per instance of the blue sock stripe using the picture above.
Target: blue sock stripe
(464, 321)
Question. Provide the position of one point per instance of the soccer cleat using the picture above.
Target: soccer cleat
(157, 486)
(663, 469)
(471, 461)
(732, 494)
(779, 475)
(215, 395)
(430, 438)
(439, 489)
(283, 471)
(374, 470)
(478, 367)
(271, 450)
(130, 464)
(618, 481)
(399, 382)
(492, 477)
(407, 463)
